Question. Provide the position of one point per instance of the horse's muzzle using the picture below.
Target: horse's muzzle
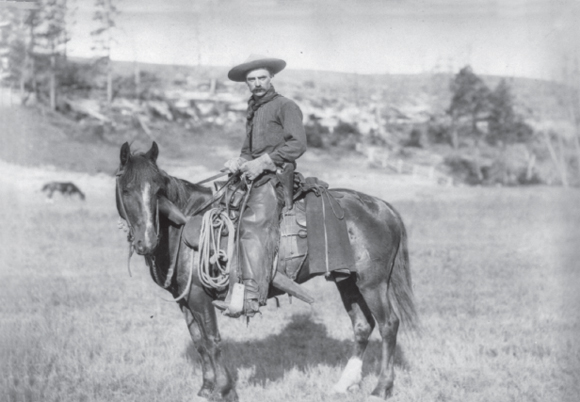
(142, 248)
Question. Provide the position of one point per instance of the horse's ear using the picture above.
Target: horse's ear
(125, 153)
(153, 153)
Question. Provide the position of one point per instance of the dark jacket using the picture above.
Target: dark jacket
(277, 131)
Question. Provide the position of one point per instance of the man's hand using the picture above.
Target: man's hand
(234, 164)
(253, 169)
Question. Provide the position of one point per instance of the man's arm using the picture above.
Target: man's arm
(294, 135)
(246, 153)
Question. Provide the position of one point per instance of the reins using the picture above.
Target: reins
(126, 217)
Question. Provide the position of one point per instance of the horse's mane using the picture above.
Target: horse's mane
(179, 190)
(139, 168)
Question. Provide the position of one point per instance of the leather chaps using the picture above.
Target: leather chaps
(259, 237)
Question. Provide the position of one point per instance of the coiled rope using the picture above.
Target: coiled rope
(213, 262)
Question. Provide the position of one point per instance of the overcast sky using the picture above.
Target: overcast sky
(504, 37)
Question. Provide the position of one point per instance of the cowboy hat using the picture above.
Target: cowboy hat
(239, 72)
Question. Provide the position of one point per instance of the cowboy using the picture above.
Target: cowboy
(274, 137)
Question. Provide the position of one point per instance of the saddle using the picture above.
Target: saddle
(312, 229)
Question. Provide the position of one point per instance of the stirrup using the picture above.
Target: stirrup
(235, 306)
(247, 312)
(220, 304)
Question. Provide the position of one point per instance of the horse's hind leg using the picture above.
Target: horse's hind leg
(377, 300)
(362, 324)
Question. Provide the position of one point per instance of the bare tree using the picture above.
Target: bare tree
(571, 95)
(105, 15)
(20, 38)
(51, 38)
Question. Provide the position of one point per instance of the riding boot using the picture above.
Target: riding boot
(251, 298)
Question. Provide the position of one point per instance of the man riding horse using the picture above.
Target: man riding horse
(275, 137)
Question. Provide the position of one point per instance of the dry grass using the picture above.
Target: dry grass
(495, 271)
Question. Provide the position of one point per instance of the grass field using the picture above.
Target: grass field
(495, 271)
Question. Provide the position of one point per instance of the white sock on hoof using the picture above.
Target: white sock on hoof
(352, 375)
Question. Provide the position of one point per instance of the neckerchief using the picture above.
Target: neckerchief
(253, 105)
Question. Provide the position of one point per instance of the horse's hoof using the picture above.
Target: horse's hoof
(341, 389)
(230, 396)
(205, 392)
(380, 394)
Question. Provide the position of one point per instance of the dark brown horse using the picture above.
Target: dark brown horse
(380, 293)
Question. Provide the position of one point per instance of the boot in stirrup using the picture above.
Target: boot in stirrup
(233, 304)
(242, 300)
(251, 298)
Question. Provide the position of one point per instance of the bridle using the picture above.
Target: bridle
(131, 232)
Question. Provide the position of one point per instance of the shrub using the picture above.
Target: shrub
(414, 139)
(314, 132)
(344, 135)
(464, 169)
(77, 76)
(314, 136)
(438, 133)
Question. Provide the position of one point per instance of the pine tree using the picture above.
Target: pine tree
(470, 98)
(505, 127)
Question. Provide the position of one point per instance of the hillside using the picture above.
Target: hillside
(33, 138)
(394, 123)
(535, 95)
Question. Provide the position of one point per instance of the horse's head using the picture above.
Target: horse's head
(140, 184)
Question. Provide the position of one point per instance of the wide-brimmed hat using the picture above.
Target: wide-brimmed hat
(239, 72)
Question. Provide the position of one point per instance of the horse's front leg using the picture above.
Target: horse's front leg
(202, 324)
(206, 363)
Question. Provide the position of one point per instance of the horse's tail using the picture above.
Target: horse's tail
(400, 290)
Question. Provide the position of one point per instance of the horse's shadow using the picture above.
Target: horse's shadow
(301, 344)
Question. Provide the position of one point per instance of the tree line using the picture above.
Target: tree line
(36, 35)
(474, 102)
(481, 115)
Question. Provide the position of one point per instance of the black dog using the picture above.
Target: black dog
(68, 189)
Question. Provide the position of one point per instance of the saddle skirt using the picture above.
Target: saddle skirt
(293, 248)
(315, 230)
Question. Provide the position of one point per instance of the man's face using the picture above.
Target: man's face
(259, 81)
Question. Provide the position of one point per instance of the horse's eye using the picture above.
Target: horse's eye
(127, 189)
